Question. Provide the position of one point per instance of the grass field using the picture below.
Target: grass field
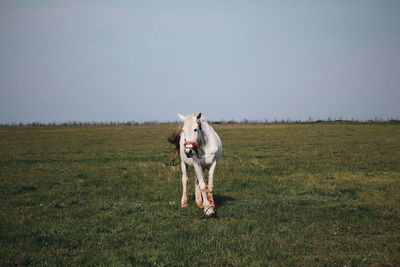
(286, 194)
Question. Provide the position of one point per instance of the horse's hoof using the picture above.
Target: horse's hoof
(209, 212)
(184, 204)
(199, 205)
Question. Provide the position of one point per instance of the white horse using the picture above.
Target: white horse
(200, 147)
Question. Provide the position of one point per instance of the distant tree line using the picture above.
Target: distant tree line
(244, 121)
(309, 120)
(86, 123)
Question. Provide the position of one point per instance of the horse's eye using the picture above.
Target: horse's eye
(195, 130)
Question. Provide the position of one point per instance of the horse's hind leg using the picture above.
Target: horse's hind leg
(184, 200)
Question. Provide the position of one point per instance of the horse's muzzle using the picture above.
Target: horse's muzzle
(191, 148)
(189, 153)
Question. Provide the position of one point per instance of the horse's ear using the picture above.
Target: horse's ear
(181, 117)
(199, 116)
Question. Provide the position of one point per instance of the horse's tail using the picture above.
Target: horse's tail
(174, 138)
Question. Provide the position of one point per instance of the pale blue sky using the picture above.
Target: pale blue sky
(148, 60)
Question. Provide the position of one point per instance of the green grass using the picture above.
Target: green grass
(286, 194)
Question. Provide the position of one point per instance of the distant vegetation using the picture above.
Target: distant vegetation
(244, 121)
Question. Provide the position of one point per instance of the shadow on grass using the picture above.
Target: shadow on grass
(220, 200)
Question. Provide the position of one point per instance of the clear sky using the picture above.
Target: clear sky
(147, 60)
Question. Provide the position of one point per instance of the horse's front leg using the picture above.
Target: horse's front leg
(210, 186)
(184, 200)
(211, 176)
(208, 207)
(197, 193)
(199, 175)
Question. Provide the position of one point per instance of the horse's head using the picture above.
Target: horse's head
(191, 132)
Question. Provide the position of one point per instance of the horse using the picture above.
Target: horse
(199, 147)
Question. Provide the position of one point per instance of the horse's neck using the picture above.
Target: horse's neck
(205, 133)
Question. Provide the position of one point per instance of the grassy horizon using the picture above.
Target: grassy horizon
(286, 194)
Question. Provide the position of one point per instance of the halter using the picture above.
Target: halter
(194, 144)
